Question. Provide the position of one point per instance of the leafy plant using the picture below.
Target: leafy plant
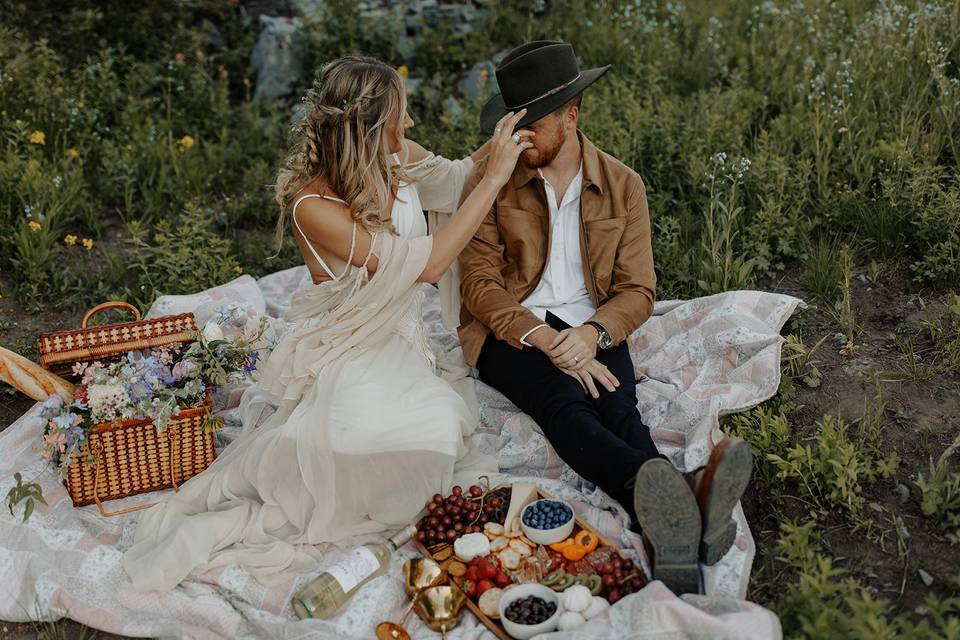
(27, 492)
(940, 492)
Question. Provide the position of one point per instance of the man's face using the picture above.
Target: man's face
(549, 135)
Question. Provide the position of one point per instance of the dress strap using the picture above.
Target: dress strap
(353, 238)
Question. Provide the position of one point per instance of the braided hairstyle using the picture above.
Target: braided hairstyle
(341, 140)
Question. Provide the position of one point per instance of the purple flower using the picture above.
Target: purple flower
(251, 363)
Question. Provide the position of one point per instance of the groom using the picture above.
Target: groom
(555, 280)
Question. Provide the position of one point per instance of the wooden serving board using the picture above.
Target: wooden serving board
(490, 623)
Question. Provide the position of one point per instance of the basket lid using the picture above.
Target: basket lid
(59, 350)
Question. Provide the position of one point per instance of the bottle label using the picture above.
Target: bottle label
(354, 568)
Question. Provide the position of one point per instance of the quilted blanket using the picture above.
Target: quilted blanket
(695, 360)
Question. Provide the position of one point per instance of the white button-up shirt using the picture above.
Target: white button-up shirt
(562, 289)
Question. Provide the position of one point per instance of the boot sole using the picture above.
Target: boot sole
(729, 481)
(670, 518)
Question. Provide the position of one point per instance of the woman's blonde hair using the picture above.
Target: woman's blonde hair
(340, 139)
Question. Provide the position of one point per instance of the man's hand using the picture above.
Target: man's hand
(573, 347)
(592, 372)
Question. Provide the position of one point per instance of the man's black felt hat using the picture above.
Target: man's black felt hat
(540, 76)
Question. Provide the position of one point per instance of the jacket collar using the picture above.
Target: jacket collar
(590, 157)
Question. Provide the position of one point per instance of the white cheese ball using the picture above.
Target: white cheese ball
(576, 598)
(570, 620)
(597, 606)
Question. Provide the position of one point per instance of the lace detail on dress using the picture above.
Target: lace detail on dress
(412, 328)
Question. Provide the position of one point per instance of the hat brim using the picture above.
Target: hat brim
(496, 109)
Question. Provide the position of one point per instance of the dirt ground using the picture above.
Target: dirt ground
(922, 417)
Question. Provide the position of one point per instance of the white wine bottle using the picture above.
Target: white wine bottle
(321, 597)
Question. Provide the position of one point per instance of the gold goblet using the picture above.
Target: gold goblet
(440, 607)
(418, 574)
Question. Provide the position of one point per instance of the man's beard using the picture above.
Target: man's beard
(544, 157)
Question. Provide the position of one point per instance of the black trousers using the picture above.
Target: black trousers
(602, 439)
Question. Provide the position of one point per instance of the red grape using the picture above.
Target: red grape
(440, 512)
(613, 595)
(609, 580)
(476, 491)
(437, 498)
(447, 521)
(421, 536)
(451, 535)
(457, 490)
(431, 507)
(458, 527)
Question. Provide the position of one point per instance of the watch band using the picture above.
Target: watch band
(601, 332)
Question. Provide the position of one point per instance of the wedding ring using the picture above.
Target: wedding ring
(516, 138)
(576, 358)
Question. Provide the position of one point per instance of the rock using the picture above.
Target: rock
(480, 81)
(313, 9)
(297, 112)
(925, 577)
(452, 109)
(278, 56)
(903, 493)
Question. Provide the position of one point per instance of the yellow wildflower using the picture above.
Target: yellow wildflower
(238, 269)
(72, 152)
(38, 137)
(403, 71)
(34, 226)
(70, 240)
(186, 142)
(20, 124)
(87, 244)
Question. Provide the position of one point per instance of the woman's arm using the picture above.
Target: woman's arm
(416, 151)
(328, 223)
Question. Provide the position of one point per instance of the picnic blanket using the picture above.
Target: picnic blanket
(695, 360)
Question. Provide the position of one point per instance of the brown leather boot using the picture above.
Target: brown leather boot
(718, 486)
(669, 518)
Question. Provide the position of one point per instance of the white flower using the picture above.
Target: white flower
(212, 331)
(107, 401)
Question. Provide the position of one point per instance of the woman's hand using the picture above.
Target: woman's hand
(504, 150)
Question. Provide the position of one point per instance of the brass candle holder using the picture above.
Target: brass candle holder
(440, 607)
(419, 574)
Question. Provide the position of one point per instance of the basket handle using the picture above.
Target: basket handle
(113, 304)
(98, 448)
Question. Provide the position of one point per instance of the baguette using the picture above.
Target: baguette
(31, 379)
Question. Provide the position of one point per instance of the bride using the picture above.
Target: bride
(362, 430)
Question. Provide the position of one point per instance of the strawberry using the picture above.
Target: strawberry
(470, 588)
(502, 580)
(482, 586)
(472, 573)
(486, 570)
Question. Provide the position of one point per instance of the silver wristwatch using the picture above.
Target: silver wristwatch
(603, 338)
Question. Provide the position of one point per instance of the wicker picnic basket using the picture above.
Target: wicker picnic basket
(130, 456)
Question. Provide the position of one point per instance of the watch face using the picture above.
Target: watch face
(604, 340)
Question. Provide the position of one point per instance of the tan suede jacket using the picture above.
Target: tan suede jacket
(504, 261)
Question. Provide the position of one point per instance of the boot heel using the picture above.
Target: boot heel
(716, 543)
(679, 578)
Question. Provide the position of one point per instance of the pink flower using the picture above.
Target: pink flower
(56, 440)
(184, 369)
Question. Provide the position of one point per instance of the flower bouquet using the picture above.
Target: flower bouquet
(143, 421)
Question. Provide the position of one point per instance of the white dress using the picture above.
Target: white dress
(362, 432)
